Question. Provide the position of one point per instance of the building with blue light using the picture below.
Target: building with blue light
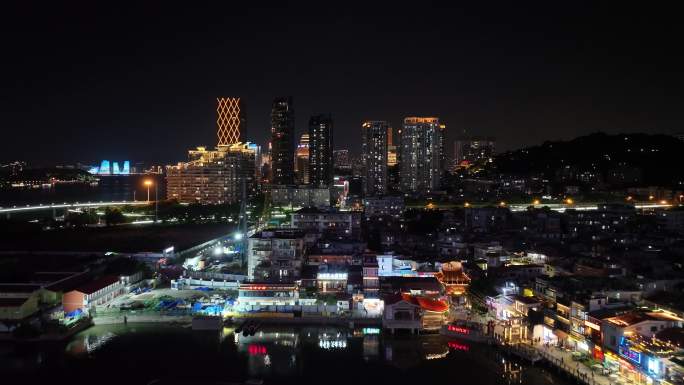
(111, 169)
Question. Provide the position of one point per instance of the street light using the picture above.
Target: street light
(238, 236)
(536, 202)
(148, 183)
(569, 201)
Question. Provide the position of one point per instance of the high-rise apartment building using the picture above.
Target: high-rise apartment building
(469, 150)
(321, 150)
(301, 166)
(230, 120)
(374, 141)
(391, 148)
(420, 154)
(282, 141)
(214, 176)
(342, 160)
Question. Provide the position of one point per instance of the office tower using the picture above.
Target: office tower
(320, 150)
(469, 150)
(214, 176)
(282, 141)
(420, 155)
(341, 160)
(391, 148)
(230, 120)
(301, 166)
(374, 146)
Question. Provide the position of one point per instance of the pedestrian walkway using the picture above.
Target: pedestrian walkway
(562, 360)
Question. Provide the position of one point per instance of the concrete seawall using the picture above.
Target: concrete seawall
(110, 320)
(187, 319)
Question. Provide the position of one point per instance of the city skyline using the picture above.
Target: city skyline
(261, 194)
(522, 77)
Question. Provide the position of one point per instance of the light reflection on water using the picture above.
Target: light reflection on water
(281, 355)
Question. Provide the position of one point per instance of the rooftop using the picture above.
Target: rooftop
(672, 335)
(98, 284)
(279, 234)
(12, 302)
(316, 210)
(526, 300)
(634, 318)
(19, 288)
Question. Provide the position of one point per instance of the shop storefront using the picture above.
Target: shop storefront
(548, 336)
(611, 362)
(578, 344)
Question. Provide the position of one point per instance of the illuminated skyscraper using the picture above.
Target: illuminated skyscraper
(282, 141)
(230, 120)
(374, 146)
(341, 160)
(391, 148)
(321, 150)
(421, 154)
(302, 160)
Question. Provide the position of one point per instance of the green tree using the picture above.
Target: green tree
(80, 219)
(114, 216)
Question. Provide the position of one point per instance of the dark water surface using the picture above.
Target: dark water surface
(140, 354)
(110, 188)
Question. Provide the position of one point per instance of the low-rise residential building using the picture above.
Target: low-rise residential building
(341, 223)
(392, 206)
(275, 255)
(266, 296)
(371, 278)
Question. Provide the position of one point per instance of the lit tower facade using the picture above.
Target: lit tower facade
(301, 166)
(282, 141)
(230, 120)
(420, 154)
(321, 150)
(374, 136)
(391, 148)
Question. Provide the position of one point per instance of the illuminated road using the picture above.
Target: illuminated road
(561, 207)
(76, 205)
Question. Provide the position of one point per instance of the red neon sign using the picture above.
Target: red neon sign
(457, 346)
(458, 329)
(256, 350)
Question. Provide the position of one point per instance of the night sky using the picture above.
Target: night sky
(93, 80)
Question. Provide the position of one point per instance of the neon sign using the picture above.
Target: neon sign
(457, 346)
(458, 329)
(630, 354)
(256, 350)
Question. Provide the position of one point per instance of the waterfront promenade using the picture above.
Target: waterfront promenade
(562, 360)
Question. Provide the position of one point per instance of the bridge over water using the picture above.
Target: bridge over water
(8, 211)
